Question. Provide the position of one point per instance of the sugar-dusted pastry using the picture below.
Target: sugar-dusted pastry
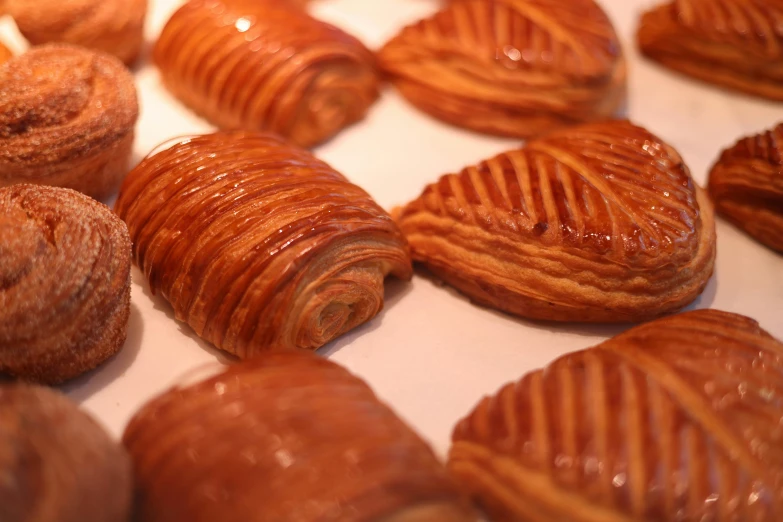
(56, 463)
(511, 67)
(746, 184)
(286, 437)
(258, 244)
(67, 118)
(678, 419)
(5, 52)
(732, 43)
(597, 223)
(115, 27)
(266, 65)
(65, 263)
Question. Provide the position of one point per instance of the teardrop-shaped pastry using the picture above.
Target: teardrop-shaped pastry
(594, 223)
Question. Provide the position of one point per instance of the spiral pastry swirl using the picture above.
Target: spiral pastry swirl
(258, 244)
(266, 65)
(65, 263)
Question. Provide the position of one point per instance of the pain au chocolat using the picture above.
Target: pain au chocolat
(258, 244)
(732, 43)
(286, 437)
(598, 223)
(678, 419)
(265, 65)
(511, 67)
(746, 184)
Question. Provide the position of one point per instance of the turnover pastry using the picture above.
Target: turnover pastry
(287, 437)
(65, 263)
(67, 118)
(678, 419)
(597, 223)
(258, 244)
(511, 67)
(266, 65)
(733, 43)
(57, 464)
(746, 185)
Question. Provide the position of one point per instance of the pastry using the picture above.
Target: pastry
(115, 27)
(56, 463)
(257, 244)
(266, 65)
(732, 43)
(65, 264)
(5, 53)
(746, 185)
(597, 223)
(510, 67)
(66, 119)
(678, 419)
(286, 437)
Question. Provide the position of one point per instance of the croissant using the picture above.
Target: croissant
(115, 27)
(57, 464)
(286, 437)
(67, 116)
(678, 419)
(258, 244)
(746, 185)
(736, 44)
(266, 65)
(511, 67)
(65, 263)
(599, 223)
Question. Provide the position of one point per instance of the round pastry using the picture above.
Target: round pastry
(56, 463)
(65, 264)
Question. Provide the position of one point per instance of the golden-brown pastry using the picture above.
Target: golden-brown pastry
(56, 463)
(266, 65)
(5, 53)
(595, 223)
(67, 118)
(115, 27)
(511, 67)
(678, 419)
(733, 43)
(258, 244)
(65, 264)
(286, 437)
(746, 185)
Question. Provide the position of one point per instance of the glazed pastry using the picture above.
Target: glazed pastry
(288, 437)
(57, 464)
(5, 54)
(66, 119)
(511, 67)
(678, 419)
(115, 27)
(65, 264)
(732, 43)
(266, 65)
(598, 223)
(258, 244)
(746, 185)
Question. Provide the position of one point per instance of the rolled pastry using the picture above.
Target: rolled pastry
(266, 65)
(286, 437)
(257, 244)
(597, 223)
(65, 263)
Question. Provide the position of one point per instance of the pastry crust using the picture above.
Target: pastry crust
(264, 65)
(258, 244)
(289, 437)
(511, 67)
(65, 263)
(746, 184)
(678, 419)
(598, 223)
(736, 44)
(67, 118)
